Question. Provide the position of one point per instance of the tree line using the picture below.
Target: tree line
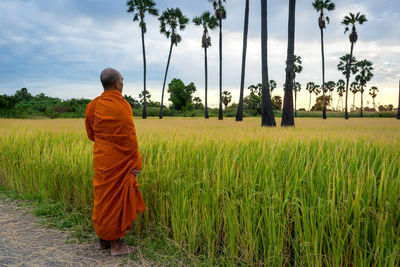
(172, 21)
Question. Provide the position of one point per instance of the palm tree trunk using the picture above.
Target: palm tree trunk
(144, 114)
(287, 114)
(323, 76)
(239, 114)
(354, 101)
(165, 79)
(361, 113)
(346, 113)
(398, 108)
(309, 104)
(206, 80)
(267, 114)
(220, 114)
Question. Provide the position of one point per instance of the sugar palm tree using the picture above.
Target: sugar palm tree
(352, 20)
(171, 21)
(341, 86)
(365, 75)
(310, 87)
(272, 86)
(288, 114)
(267, 114)
(297, 88)
(373, 93)
(320, 6)
(220, 13)
(226, 98)
(139, 8)
(239, 114)
(330, 87)
(209, 22)
(354, 88)
(297, 69)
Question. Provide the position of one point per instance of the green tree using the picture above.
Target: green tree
(319, 102)
(320, 6)
(288, 114)
(352, 20)
(267, 113)
(239, 114)
(373, 92)
(209, 22)
(277, 102)
(226, 98)
(181, 94)
(171, 21)
(220, 13)
(140, 8)
(7, 102)
(23, 95)
(365, 75)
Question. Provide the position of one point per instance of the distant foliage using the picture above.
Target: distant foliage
(181, 95)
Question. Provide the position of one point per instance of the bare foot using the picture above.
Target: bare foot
(104, 244)
(119, 248)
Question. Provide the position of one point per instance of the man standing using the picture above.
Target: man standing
(116, 162)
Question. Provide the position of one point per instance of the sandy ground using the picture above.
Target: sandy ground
(24, 242)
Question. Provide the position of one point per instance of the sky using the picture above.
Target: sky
(59, 47)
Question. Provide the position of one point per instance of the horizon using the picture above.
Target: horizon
(43, 49)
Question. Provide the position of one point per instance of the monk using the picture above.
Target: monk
(116, 162)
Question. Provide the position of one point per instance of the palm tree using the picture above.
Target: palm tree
(297, 88)
(272, 86)
(288, 114)
(297, 69)
(197, 102)
(171, 20)
(310, 87)
(354, 88)
(316, 91)
(365, 75)
(330, 87)
(239, 114)
(353, 20)
(373, 93)
(140, 8)
(220, 13)
(267, 114)
(144, 96)
(226, 98)
(209, 22)
(341, 86)
(320, 6)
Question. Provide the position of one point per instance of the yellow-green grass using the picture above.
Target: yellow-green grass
(322, 193)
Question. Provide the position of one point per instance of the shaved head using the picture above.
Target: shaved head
(109, 76)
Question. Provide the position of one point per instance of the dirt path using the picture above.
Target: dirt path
(23, 242)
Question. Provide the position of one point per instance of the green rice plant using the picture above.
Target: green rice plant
(323, 193)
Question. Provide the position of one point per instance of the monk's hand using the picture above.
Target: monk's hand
(135, 172)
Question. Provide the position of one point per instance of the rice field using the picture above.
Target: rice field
(325, 193)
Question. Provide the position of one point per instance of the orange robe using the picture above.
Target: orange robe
(117, 199)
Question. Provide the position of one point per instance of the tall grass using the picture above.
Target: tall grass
(323, 193)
